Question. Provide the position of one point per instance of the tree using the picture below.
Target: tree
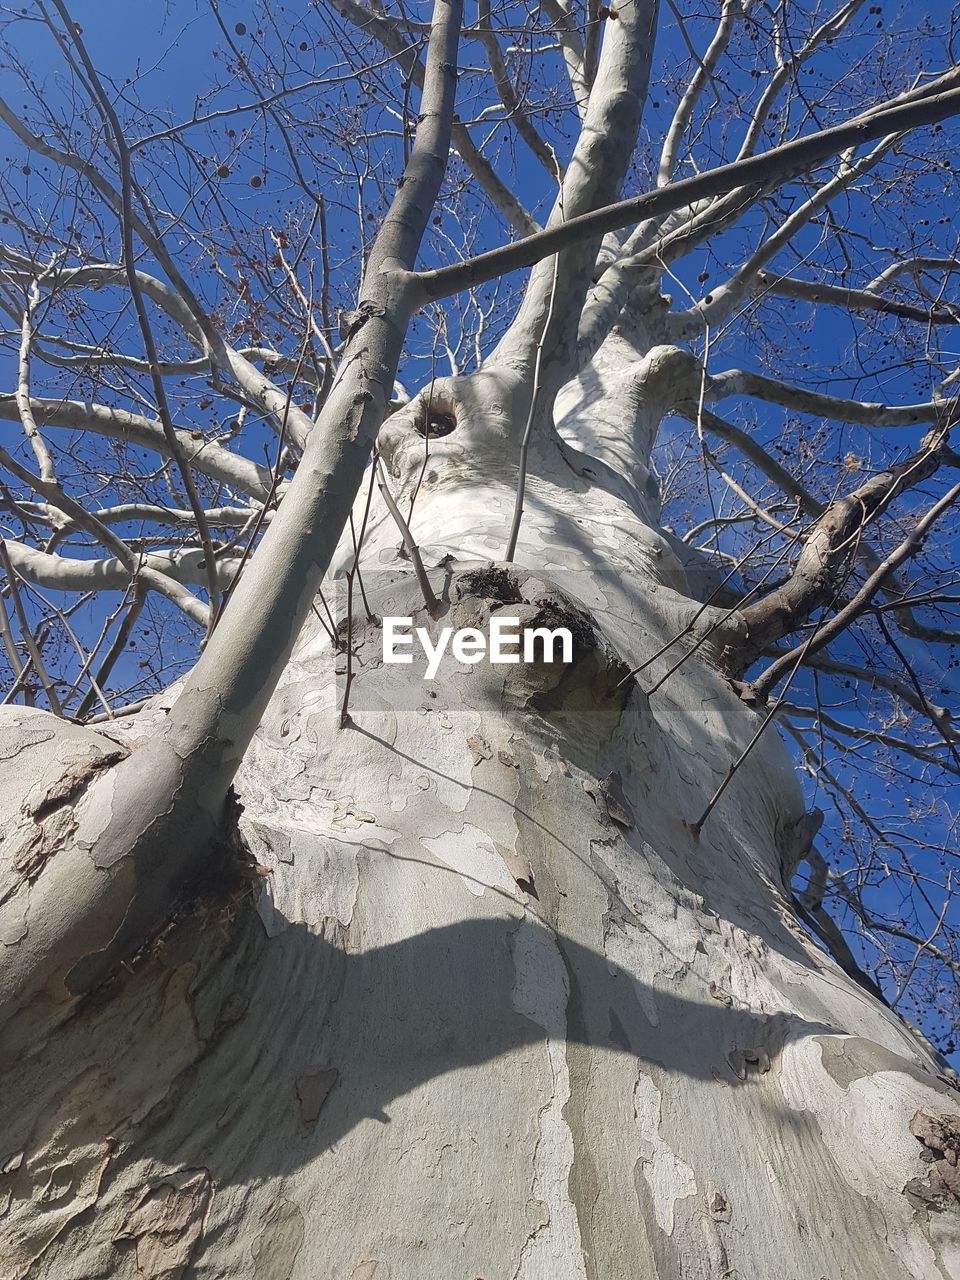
(314, 968)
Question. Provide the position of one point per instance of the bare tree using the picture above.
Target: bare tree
(313, 967)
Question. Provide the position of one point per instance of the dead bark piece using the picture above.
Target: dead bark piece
(719, 1207)
(611, 803)
(617, 806)
(65, 790)
(721, 996)
(167, 1222)
(744, 1062)
(519, 868)
(939, 1137)
(940, 1134)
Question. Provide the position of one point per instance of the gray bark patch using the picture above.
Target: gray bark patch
(851, 1058)
(313, 1089)
(279, 1242)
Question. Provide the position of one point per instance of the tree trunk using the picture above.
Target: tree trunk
(499, 1011)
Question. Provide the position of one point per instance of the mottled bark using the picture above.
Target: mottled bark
(485, 1006)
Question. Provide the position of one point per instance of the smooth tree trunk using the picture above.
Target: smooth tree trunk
(487, 1005)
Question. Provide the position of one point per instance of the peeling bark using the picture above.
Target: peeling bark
(488, 1008)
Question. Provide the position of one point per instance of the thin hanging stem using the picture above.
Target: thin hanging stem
(511, 550)
(413, 551)
(33, 649)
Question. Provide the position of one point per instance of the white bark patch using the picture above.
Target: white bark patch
(664, 940)
(95, 810)
(554, 1250)
(623, 947)
(365, 1271)
(545, 763)
(667, 1176)
(13, 922)
(751, 979)
(471, 853)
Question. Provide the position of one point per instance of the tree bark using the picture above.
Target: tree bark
(490, 1008)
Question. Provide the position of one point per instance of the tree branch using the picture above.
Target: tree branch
(156, 581)
(26, 635)
(110, 573)
(740, 382)
(829, 550)
(829, 630)
(670, 154)
(515, 112)
(208, 458)
(781, 163)
(854, 299)
(385, 31)
(165, 801)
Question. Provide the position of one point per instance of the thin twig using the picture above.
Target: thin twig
(26, 634)
(413, 551)
(9, 644)
(40, 450)
(274, 482)
(85, 659)
(113, 653)
(344, 713)
(840, 621)
(112, 121)
(534, 396)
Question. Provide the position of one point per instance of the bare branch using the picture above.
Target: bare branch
(787, 69)
(739, 382)
(914, 267)
(670, 154)
(175, 570)
(829, 550)
(135, 566)
(780, 163)
(26, 635)
(179, 302)
(40, 451)
(120, 641)
(413, 551)
(105, 107)
(208, 458)
(831, 628)
(581, 61)
(501, 78)
(724, 298)
(854, 299)
(877, 677)
(384, 30)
